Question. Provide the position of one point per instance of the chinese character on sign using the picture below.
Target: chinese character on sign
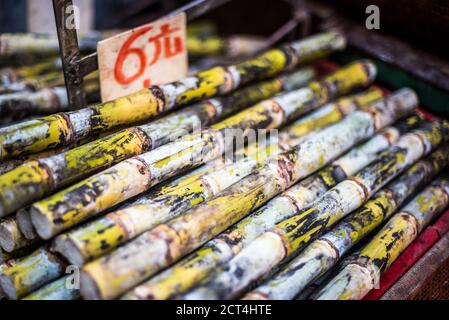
(151, 54)
(172, 45)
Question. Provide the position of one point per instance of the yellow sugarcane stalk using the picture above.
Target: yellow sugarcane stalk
(63, 128)
(11, 164)
(230, 47)
(9, 75)
(103, 235)
(197, 266)
(201, 28)
(136, 175)
(362, 274)
(70, 166)
(45, 101)
(293, 234)
(322, 254)
(27, 274)
(13, 44)
(124, 268)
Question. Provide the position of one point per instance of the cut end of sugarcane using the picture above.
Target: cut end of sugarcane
(89, 289)
(41, 224)
(6, 239)
(8, 288)
(25, 225)
(68, 249)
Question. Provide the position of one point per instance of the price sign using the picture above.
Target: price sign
(152, 54)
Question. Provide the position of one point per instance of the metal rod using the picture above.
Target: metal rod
(70, 54)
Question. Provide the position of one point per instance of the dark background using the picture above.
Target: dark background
(423, 22)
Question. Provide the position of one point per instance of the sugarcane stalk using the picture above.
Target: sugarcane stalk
(322, 254)
(165, 244)
(31, 272)
(11, 238)
(20, 86)
(138, 174)
(60, 129)
(51, 79)
(333, 112)
(198, 265)
(31, 78)
(45, 101)
(11, 164)
(70, 166)
(37, 44)
(27, 43)
(231, 47)
(360, 276)
(5, 261)
(293, 234)
(106, 233)
(56, 290)
(201, 28)
(9, 75)
(44, 44)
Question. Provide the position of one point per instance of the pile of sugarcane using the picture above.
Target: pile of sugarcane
(251, 180)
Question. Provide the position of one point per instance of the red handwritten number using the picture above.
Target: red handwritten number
(125, 51)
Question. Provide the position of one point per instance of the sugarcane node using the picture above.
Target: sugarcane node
(366, 192)
(160, 98)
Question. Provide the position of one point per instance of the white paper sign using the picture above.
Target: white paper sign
(152, 54)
